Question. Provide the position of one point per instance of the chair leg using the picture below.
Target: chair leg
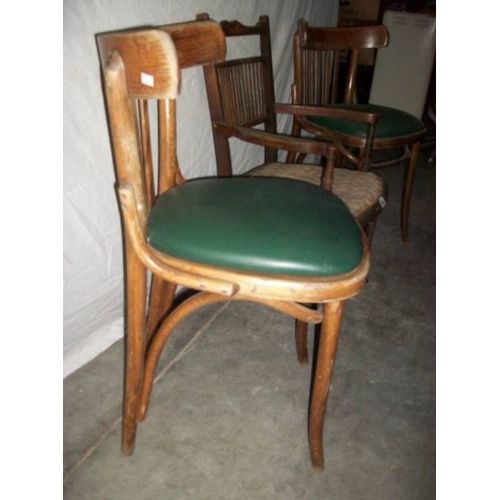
(301, 341)
(328, 341)
(161, 297)
(155, 348)
(135, 347)
(407, 190)
(369, 230)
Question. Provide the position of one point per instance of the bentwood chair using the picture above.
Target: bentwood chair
(279, 242)
(319, 56)
(241, 97)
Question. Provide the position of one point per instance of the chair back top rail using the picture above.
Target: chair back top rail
(197, 42)
(342, 38)
(168, 48)
(149, 59)
(318, 53)
(142, 64)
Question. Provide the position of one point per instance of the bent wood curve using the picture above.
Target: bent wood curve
(190, 305)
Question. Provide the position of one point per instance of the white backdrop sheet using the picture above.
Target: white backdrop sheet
(93, 265)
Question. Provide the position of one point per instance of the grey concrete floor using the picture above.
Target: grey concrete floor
(228, 414)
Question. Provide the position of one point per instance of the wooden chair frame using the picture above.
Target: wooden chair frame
(318, 52)
(145, 64)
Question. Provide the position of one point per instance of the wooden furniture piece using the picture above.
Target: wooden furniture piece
(318, 53)
(276, 242)
(241, 97)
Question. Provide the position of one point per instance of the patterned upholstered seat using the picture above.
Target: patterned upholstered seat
(360, 191)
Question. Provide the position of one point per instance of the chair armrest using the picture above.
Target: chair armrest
(277, 141)
(343, 114)
(301, 112)
(285, 142)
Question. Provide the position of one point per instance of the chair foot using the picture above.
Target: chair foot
(133, 387)
(129, 430)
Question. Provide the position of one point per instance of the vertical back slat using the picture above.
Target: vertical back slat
(318, 76)
(350, 90)
(146, 152)
(167, 168)
(335, 79)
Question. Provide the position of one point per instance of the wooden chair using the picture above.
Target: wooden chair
(276, 242)
(241, 97)
(318, 54)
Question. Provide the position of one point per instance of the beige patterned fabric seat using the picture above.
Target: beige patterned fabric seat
(360, 191)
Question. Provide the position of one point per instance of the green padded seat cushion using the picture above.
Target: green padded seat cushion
(391, 123)
(262, 225)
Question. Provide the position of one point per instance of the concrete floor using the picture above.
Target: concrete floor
(228, 415)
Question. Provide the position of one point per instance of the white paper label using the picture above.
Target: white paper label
(147, 80)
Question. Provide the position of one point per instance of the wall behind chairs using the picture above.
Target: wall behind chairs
(93, 266)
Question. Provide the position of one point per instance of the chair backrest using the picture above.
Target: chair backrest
(139, 66)
(241, 91)
(321, 53)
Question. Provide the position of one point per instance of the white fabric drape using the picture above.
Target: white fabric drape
(93, 272)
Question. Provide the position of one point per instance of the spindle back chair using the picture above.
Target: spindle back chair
(320, 55)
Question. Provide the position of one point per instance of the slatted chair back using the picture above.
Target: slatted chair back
(242, 89)
(323, 56)
(326, 61)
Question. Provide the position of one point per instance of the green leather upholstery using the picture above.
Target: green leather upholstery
(263, 225)
(392, 122)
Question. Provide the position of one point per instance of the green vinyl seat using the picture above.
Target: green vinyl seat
(391, 123)
(262, 225)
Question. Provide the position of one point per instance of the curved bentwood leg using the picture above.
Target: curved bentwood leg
(158, 342)
(135, 346)
(329, 336)
(407, 190)
(369, 229)
(190, 305)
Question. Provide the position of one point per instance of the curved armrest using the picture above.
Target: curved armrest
(343, 114)
(277, 141)
(302, 112)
